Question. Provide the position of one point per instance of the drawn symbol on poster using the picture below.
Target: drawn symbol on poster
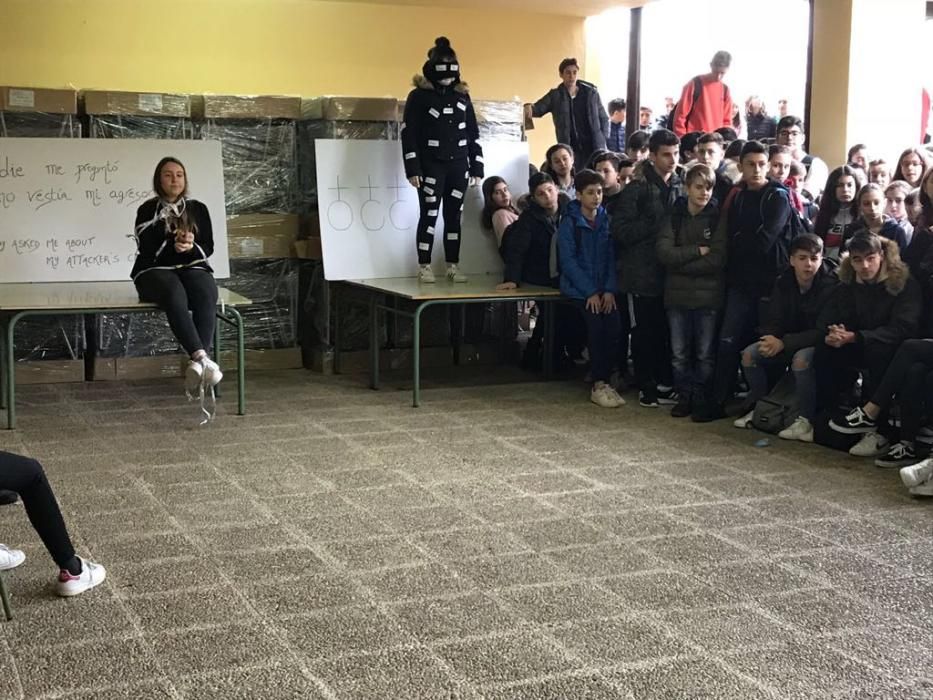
(371, 200)
(397, 216)
(339, 213)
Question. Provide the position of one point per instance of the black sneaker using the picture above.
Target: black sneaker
(8, 498)
(707, 413)
(855, 422)
(901, 454)
(681, 408)
(667, 396)
(648, 399)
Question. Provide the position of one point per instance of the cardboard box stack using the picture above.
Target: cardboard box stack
(258, 138)
(48, 349)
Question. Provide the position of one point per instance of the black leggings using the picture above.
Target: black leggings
(177, 292)
(909, 376)
(26, 477)
(444, 183)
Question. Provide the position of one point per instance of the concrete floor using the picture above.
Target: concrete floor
(506, 540)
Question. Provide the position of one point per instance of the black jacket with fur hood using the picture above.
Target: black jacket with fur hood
(886, 311)
(440, 125)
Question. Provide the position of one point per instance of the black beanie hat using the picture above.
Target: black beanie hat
(442, 61)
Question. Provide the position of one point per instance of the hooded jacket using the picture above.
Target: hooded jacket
(642, 207)
(884, 312)
(155, 237)
(585, 254)
(693, 281)
(792, 316)
(526, 246)
(559, 103)
(440, 125)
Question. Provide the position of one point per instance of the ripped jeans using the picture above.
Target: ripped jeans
(755, 366)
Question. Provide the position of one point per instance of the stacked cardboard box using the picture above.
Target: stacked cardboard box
(48, 349)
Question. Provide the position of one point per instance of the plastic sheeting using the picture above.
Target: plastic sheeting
(271, 321)
(260, 168)
(39, 125)
(499, 120)
(133, 126)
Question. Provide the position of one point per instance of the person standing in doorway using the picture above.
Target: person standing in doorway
(705, 102)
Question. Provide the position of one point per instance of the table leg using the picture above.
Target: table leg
(220, 318)
(3, 377)
(374, 341)
(240, 362)
(416, 356)
(11, 374)
(549, 332)
(334, 297)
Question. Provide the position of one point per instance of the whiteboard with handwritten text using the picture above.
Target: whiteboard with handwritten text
(67, 207)
(369, 213)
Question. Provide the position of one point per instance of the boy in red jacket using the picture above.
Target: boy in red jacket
(705, 103)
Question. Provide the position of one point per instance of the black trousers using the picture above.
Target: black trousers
(26, 477)
(177, 292)
(910, 377)
(837, 369)
(443, 184)
(651, 352)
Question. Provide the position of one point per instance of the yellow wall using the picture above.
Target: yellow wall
(304, 47)
(832, 24)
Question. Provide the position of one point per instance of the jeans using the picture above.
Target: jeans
(837, 369)
(602, 338)
(910, 377)
(739, 325)
(755, 366)
(693, 349)
(178, 291)
(26, 477)
(650, 344)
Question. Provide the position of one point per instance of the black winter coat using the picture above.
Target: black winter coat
(792, 316)
(559, 103)
(644, 204)
(155, 240)
(886, 312)
(440, 125)
(526, 246)
(693, 281)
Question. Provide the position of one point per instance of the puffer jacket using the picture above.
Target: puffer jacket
(885, 312)
(644, 204)
(792, 316)
(585, 254)
(693, 281)
(558, 102)
(440, 125)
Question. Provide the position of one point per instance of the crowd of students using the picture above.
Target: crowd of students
(749, 262)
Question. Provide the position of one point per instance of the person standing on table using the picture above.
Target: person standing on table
(442, 154)
(174, 240)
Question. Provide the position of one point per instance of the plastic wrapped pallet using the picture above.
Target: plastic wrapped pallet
(258, 135)
(499, 120)
(372, 118)
(271, 321)
(43, 113)
(138, 115)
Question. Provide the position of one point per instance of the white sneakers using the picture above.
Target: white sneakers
(454, 274)
(916, 474)
(426, 274)
(871, 445)
(210, 370)
(745, 421)
(67, 584)
(801, 429)
(204, 371)
(605, 396)
(70, 585)
(10, 558)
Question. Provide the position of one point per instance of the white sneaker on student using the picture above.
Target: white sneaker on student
(426, 274)
(454, 274)
(924, 489)
(871, 445)
(917, 474)
(193, 376)
(615, 394)
(601, 396)
(745, 421)
(91, 575)
(801, 429)
(211, 373)
(10, 558)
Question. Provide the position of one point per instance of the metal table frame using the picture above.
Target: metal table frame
(545, 298)
(226, 314)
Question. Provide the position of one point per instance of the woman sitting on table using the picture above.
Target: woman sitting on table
(174, 239)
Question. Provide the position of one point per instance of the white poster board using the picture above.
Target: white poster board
(369, 213)
(67, 206)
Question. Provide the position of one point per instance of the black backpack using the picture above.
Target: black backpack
(778, 409)
(697, 91)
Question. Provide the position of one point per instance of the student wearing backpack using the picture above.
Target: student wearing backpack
(789, 334)
(759, 225)
(705, 103)
(692, 248)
